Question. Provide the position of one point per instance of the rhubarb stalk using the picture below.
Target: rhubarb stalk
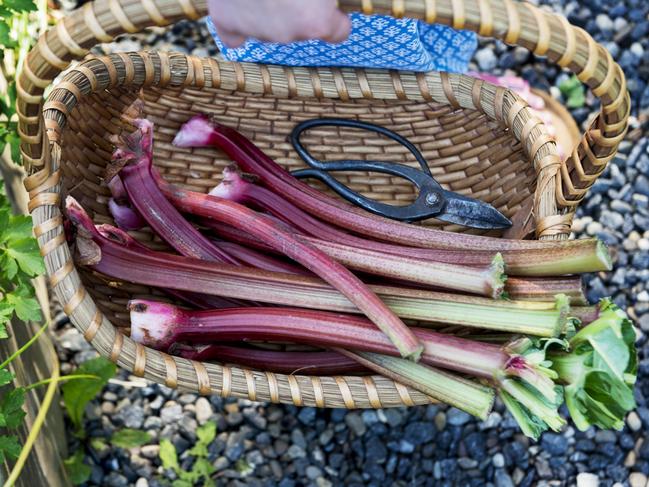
(312, 363)
(536, 257)
(169, 271)
(517, 369)
(451, 389)
(134, 163)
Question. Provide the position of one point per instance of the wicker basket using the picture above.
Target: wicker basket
(480, 140)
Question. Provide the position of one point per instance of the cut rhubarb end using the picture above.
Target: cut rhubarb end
(125, 217)
(562, 304)
(196, 132)
(152, 322)
(497, 277)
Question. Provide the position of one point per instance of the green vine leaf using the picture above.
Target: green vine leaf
(20, 5)
(26, 254)
(78, 472)
(77, 393)
(6, 377)
(11, 408)
(130, 438)
(168, 455)
(9, 447)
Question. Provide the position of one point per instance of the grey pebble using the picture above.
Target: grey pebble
(457, 417)
(171, 413)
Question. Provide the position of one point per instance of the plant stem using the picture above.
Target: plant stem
(37, 424)
(283, 362)
(487, 281)
(60, 379)
(27, 344)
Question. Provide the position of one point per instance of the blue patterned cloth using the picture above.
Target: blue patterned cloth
(375, 41)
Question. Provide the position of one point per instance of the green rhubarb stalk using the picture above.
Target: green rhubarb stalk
(600, 370)
(451, 389)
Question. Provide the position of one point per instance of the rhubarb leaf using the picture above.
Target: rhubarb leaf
(600, 370)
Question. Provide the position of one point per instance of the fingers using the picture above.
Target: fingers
(340, 26)
(231, 39)
(282, 21)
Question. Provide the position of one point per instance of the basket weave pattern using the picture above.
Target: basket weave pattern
(480, 140)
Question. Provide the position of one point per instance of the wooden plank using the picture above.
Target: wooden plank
(44, 466)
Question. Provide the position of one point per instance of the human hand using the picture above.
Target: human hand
(278, 20)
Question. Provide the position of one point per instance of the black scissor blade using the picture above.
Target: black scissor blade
(471, 212)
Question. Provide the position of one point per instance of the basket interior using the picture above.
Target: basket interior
(466, 151)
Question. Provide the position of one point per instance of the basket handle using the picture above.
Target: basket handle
(523, 24)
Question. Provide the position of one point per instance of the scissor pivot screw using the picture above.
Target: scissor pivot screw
(432, 199)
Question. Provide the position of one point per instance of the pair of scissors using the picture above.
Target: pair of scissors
(432, 200)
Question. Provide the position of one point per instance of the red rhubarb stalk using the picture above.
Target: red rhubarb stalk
(125, 217)
(160, 325)
(135, 158)
(200, 301)
(253, 258)
(168, 271)
(519, 367)
(132, 160)
(544, 258)
(312, 363)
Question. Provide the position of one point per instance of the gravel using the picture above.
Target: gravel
(269, 444)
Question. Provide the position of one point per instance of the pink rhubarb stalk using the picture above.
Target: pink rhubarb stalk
(168, 271)
(518, 367)
(134, 162)
(538, 257)
(160, 325)
(283, 362)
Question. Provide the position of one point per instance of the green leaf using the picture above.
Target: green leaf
(16, 227)
(206, 433)
(27, 309)
(9, 447)
(600, 371)
(77, 393)
(203, 468)
(20, 5)
(168, 455)
(8, 265)
(573, 91)
(3, 330)
(14, 142)
(5, 39)
(11, 408)
(26, 254)
(5, 377)
(182, 483)
(130, 438)
(78, 472)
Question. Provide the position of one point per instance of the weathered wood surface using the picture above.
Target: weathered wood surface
(44, 466)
